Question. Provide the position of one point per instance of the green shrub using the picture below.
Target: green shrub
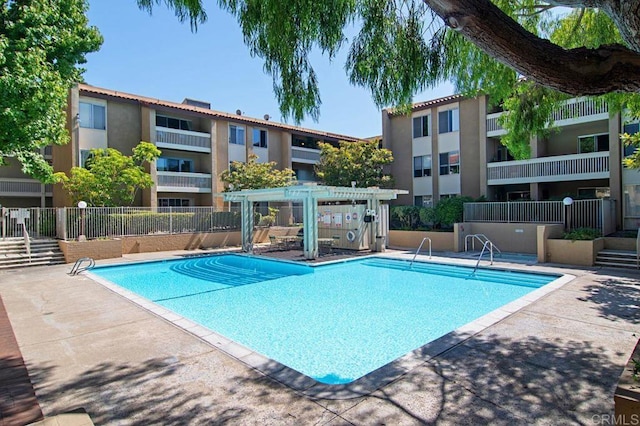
(404, 218)
(449, 211)
(582, 234)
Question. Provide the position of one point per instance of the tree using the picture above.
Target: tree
(403, 47)
(41, 44)
(109, 178)
(359, 162)
(255, 175)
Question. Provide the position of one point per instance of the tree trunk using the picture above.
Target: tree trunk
(576, 72)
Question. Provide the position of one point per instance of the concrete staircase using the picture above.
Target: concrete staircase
(13, 253)
(617, 259)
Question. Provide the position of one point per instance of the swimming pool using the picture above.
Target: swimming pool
(334, 323)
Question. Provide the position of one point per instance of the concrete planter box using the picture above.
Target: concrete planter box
(440, 241)
(582, 253)
(627, 395)
(96, 249)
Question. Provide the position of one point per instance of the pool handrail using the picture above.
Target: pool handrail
(76, 269)
(482, 239)
(484, 247)
(418, 251)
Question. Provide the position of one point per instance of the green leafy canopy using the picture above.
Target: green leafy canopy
(41, 44)
(359, 162)
(256, 175)
(110, 178)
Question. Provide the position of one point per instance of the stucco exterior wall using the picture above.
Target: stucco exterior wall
(440, 241)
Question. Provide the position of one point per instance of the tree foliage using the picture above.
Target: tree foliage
(403, 47)
(109, 178)
(41, 44)
(528, 55)
(256, 175)
(359, 162)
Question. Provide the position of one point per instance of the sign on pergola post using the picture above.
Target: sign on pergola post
(309, 195)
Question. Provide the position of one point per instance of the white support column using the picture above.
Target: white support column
(247, 226)
(310, 219)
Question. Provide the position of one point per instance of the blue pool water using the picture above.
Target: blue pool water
(334, 323)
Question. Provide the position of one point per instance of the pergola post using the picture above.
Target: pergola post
(310, 219)
(247, 225)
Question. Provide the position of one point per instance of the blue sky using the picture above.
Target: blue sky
(157, 56)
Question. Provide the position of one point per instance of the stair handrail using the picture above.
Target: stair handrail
(27, 240)
(418, 250)
(76, 269)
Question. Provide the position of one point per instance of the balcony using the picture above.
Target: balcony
(184, 140)
(305, 155)
(573, 111)
(23, 188)
(184, 182)
(594, 165)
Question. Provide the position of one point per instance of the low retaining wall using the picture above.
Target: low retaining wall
(508, 237)
(627, 396)
(152, 243)
(440, 241)
(114, 248)
(95, 249)
(569, 252)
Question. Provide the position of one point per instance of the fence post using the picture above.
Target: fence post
(3, 222)
(170, 220)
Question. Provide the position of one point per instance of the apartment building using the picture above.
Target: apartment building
(453, 147)
(197, 144)
(436, 149)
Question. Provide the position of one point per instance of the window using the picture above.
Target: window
(448, 121)
(449, 163)
(174, 202)
(236, 135)
(591, 193)
(85, 154)
(503, 154)
(173, 123)
(632, 200)
(92, 116)
(423, 201)
(166, 164)
(260, 138)
(421, 126)
(443, 196)
(422, 166)
(631, 129)
(593, 143)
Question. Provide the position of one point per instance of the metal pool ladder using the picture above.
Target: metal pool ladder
(418, 251)
(77, 267)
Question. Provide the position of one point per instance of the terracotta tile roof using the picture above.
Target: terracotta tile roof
(86, 89)
(418, 106)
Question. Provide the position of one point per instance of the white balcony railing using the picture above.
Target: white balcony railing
(573, 111)
(594, 165)
(23, 188)
(184, 182)
(305, 155)
(183, 139)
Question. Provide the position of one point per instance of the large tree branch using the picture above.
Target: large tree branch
(577, 72)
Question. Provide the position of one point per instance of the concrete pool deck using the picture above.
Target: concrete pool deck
(555, 361)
